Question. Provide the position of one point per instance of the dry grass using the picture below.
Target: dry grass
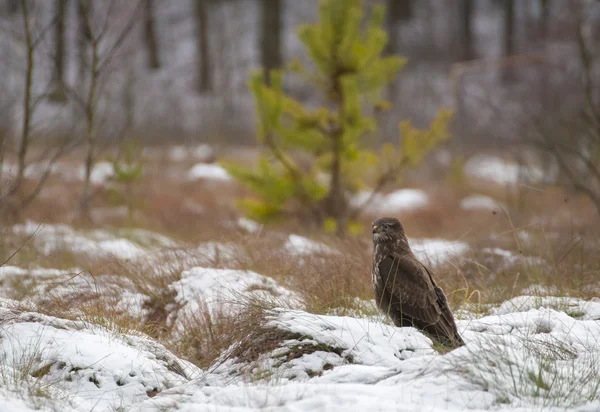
(554, 243)
(209, 336)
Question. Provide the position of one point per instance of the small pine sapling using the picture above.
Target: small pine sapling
(349, 70)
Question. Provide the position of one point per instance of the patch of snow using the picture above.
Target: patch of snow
(394, 202)
(437, 251)
(19, 400)
(203, 153)
(92, 367)
(217, 252)
(506, 254)
(121, 248)
(223, 289)
(249, 225)
(49, 239)
(8, 169)
(503, 172)
(14, 271)
(477, 202)
(209, 172)
(117, 292)
(586, 310)
(519, 360)
(356, 364)
(101, 172)
(365, 341)
(300, 246)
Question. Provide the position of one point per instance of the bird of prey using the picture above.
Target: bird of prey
(404, 288)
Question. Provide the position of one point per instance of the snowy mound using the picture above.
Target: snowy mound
(479, 202)
(495, 169)
(586, 310)
(101, 171)
(527, 360)
(203, 153)
(87, 367)
(300, 246)
(395, 202)
(522, 359)
(208, 172)
(437, 251)
(49, 239)
(217, 290)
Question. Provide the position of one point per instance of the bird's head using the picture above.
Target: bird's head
(387, 229)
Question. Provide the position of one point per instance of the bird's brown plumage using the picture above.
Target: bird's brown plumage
(404, 287)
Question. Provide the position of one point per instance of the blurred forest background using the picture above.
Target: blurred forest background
(179, 69)
(520, 76)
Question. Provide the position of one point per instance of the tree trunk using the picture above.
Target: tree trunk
(59, 94)
(150, 38)
(84, 13)
(90, 108)
(397, 11)
(270, 36)
(24, 142)
(466, 30)
(204, 81)
(508, 37)
(12, 6)
(543, 24)
(336, 201)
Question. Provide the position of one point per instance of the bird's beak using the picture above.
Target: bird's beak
(375, 229)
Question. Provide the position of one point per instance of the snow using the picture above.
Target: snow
(437, 251)
(217, 290)
(358, 364)
(301, 246)
(249, 225)
(49, 239)
(101, 172)
(394, 202)
(530, 353)
(367, 342)
(495, 169)
(98, 369)
(209, 172)
(480, 202)
(201, 152)
(14, 271)
(525, 356)
(586, 310)
(16, 402)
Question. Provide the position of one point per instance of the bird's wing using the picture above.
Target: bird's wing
(405, 278)
(447, 319)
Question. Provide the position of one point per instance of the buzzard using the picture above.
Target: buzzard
(404, 287)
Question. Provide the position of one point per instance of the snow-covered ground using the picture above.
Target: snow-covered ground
(497, 170)
(480, 202)
(517, 360)
(208, 171)
(101, 172)
(391, 203)
(437, 251)
(528, 353)
(49, 239)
